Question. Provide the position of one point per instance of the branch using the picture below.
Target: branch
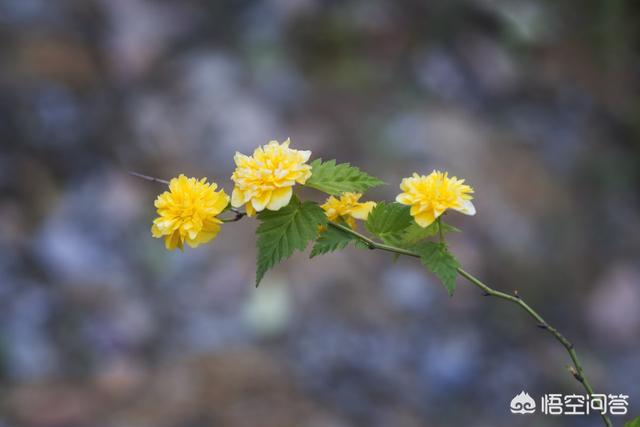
(576, 370)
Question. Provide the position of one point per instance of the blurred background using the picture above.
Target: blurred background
(535, 103)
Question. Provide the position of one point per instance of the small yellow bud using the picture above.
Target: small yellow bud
(348, 208)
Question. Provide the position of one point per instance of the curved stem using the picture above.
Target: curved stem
(576, 370)
(371, 244)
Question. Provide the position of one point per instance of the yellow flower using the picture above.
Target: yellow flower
(265, 180)
(187, 212)
(429, 196)
(347, 208)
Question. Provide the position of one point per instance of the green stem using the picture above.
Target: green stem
(371, 244)
(576, 369)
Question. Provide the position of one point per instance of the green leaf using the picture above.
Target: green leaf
(336, 179)
(413, 234)
(282, 232)
(446, 228)
(388, 218)
(361, 245)
(437, 258)
(332, 239)
(633, 423)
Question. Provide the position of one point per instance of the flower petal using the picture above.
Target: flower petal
(424, 219)
(156, 232)
(239, 158)
(280, 198)
(209, 231)
(237, 198)
(305, 154)
(221, 202)
(362, 210)
(350, 222)
(250, 210)
(173, 241)
(404, 198)
(416, 209)
(466, 208)
(260, 201)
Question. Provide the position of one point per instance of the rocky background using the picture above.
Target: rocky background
(535, 102)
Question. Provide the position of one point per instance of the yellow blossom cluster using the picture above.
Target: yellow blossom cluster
(188, 212)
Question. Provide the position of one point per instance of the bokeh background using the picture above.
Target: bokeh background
(536, 103)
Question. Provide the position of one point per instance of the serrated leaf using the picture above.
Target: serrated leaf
(361, 245)
(388, 218)
(332, 239)
(633, 423)
(437, 258)
(282, 232)
(447, 228)
(413, 234)
(336, 179)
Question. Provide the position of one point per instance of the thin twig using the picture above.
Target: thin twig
(149, 178)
